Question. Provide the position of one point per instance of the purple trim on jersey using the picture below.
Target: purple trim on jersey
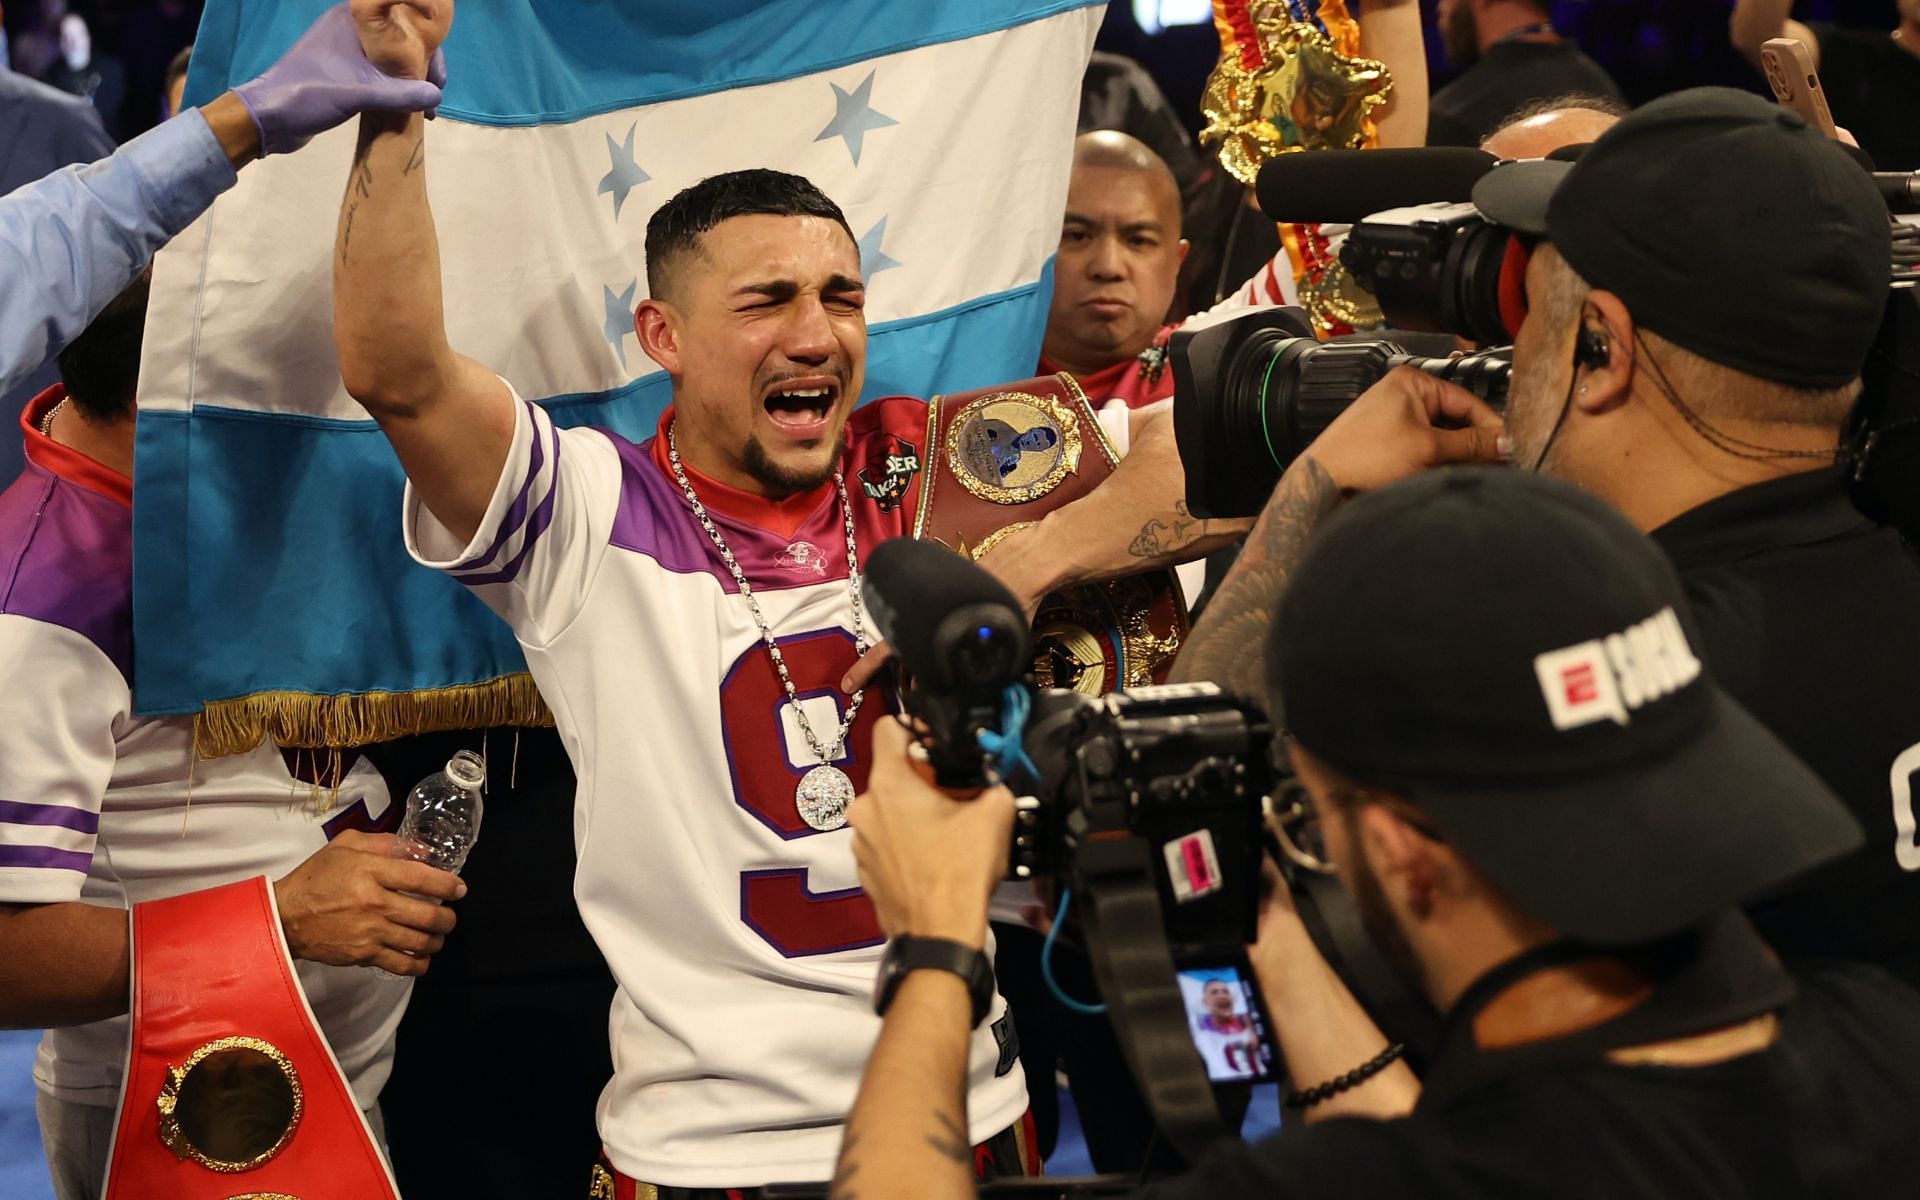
(516, 514)
(537, 525)
(46, 857)
(67, 557)
(360, 817)
(733, 769)
(746, 877)
(653, 519)
(20, 812)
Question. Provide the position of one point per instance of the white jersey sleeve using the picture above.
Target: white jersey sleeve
(61, 699)
(1116, 421)
(540, 545)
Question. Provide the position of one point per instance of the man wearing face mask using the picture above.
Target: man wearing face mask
(1700, 384)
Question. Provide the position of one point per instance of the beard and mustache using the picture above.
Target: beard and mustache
(1376, 914)
(784, 481)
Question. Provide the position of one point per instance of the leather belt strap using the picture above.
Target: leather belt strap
(999, 459)
(231, 1090)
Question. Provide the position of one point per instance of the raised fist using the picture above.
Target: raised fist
(400, 36)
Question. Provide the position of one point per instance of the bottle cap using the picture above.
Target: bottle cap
(466, 769)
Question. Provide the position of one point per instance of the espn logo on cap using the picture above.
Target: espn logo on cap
(1607, 678)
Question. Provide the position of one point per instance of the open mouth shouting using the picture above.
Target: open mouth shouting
(802, 409)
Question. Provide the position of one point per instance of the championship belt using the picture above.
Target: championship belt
(231, 1092)
(1001, 458)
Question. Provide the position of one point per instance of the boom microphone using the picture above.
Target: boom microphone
(951, 624)
(1346, 185)
(1900, 189)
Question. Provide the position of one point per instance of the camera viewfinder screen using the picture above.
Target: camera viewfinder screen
(1226, 1025)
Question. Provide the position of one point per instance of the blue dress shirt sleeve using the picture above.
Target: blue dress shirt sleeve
(71, 241)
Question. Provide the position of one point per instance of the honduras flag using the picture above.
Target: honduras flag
(272, 592)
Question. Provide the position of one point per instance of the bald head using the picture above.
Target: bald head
(1120, 253)
(1535, 134)
(1112, 148)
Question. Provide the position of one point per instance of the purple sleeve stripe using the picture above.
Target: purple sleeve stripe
(542, 517)
(18, 812)
(45, 856)
(516, 514)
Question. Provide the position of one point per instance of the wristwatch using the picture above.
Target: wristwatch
(908, 954)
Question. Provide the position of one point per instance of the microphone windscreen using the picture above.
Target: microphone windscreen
(912, 588)
(1348, 185)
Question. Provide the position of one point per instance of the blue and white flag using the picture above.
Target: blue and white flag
(272, 592)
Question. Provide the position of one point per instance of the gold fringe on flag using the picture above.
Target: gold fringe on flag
(309, 721)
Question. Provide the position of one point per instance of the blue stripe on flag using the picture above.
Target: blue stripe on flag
(511, 64)
(342, 605)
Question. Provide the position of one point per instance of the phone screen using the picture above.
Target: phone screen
(1228, 1027)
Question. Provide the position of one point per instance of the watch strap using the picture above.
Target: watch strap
(907, 954)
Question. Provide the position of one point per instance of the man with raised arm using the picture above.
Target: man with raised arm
(687, 606)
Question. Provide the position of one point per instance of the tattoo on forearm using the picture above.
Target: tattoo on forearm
(418, 158)
(1158, 537)
(1229, 646)
(359, 186)
(951, 1141)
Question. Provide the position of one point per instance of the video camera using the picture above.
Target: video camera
(1146, 807)
(1253, 388)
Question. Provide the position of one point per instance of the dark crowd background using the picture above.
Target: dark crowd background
(1651, 47)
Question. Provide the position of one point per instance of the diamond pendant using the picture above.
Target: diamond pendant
(823, 796)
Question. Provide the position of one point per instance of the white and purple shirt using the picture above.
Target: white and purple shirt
(744, 949)
(94, 802)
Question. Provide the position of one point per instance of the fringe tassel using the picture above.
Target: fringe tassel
(304, 719)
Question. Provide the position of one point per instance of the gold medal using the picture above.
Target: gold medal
(1306, 96)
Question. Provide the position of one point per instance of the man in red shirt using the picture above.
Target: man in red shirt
(1120, 255)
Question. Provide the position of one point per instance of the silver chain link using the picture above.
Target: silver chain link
(829, 754)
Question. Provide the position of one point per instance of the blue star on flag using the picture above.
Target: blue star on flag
(620, 318)
(626, 173)
(854, 116)
(873, 259)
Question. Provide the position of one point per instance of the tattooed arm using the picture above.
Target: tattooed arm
(1228, 646)
(1134, 521)
(1402, 425)
(928, 862)
(450, 419)
(907, 1135)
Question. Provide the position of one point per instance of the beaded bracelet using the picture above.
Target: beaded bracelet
(1352, 1079)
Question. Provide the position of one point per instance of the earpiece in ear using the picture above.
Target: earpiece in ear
(1593, 350)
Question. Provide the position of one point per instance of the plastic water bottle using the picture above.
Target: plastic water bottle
(442, 820)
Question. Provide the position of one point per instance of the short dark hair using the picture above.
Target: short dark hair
(102, 365)
(676, 228)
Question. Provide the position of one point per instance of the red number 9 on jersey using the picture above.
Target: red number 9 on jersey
(777, 904)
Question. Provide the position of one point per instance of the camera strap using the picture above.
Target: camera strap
(1127, 942)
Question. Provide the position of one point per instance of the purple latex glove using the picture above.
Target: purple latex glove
(323, 79)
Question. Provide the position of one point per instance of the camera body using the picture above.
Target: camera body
(1253, 389)
(1442, 268)
(1181, 769)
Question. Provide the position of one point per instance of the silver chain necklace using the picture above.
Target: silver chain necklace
(825, 791)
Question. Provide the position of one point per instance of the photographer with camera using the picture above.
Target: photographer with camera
(1706, 283)
(1550, 835)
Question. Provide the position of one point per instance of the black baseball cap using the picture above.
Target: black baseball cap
(1727, 225)
(1511, 655)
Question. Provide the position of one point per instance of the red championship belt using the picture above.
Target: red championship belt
(998, 460)
(231, 1092)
